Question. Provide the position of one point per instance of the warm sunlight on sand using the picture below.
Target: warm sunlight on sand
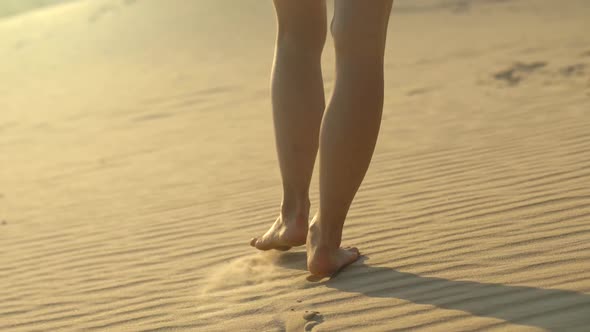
(137, 159)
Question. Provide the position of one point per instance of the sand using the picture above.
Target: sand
(137, 159)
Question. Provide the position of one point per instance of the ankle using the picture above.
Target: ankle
(297, 208)
(323, 236)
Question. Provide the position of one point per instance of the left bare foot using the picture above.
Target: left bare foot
(289, 230)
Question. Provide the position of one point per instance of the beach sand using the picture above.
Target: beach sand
(137, 160)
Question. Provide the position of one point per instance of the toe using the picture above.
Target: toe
(263, 244)
(266, 243)
(257, 243)
(354, 250)
(351, 256)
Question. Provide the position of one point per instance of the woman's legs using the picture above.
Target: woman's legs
(350, 126)
(298, 104)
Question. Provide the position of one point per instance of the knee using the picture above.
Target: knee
(306, 36)
(351, 42)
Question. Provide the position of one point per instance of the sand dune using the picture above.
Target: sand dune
(137, 160)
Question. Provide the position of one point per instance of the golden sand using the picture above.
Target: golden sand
(137, 159)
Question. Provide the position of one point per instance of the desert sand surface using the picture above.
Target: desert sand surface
(137, 160)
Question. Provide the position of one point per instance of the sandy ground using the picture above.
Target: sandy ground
(137, 159)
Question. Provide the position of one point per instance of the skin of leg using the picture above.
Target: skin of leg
(350, 126)
(298, 104)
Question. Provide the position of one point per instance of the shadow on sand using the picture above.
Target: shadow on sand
(550, 309)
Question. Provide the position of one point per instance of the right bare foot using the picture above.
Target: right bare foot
(289, 230)
(324, 255)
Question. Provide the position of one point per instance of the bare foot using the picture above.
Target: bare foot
(289, 230)
(327, 263)
(324, 256)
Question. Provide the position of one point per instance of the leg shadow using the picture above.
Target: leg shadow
(550, 309)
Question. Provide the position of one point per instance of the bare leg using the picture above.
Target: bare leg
(350, 126)
(298, 105)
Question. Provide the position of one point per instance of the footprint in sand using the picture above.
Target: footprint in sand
(518, 71)
(573, 70)
(305, 322)
(313, 319)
